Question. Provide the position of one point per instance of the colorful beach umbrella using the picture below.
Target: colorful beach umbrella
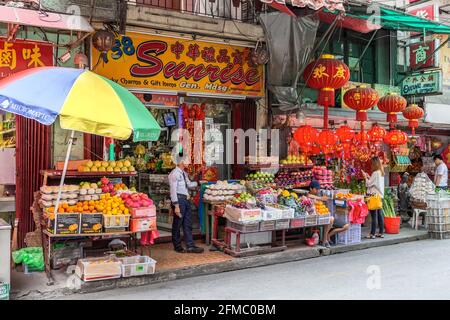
(83, 100)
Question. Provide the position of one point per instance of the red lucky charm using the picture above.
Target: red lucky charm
(326, 75)
(192, 111)
(327, 140)
(360, 138)
(361, 99)
(413, 113)
(305, 135)
(395, 138)
(376, 134)
(345, 134)
(392, 103)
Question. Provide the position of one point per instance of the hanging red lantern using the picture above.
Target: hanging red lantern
(361, 99)
(413, 113)
(376, 134)
(327, 140)
(395, 138)
(360, 138)
(345, 134)
(305, 135)
(326, 75)
(392, 103)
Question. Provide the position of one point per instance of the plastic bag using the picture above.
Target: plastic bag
(33, 257)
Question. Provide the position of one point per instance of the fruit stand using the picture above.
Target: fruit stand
(101, 210)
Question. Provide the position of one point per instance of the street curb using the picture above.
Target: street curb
(290, 255)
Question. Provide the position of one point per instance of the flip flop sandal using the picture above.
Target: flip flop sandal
(380, 235)
(369, 237)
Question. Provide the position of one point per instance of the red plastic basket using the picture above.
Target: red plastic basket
(392, 225)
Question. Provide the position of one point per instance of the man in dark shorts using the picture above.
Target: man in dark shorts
(334, 227)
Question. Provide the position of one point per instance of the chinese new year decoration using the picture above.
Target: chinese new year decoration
(376, 134)
(193, 119)
(326, 75)
(345, 135)
(306, 136)
(327, 140)
(392, 104)
(446, 155)
(395, 138)
(413, 113)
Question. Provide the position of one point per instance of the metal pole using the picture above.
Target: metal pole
(61, 183)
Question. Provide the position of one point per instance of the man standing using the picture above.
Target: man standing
(179, 195)
(441, 173)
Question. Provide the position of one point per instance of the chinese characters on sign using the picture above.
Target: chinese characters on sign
(21, 55)
(139, 61)
(423, 84)
(419, 55)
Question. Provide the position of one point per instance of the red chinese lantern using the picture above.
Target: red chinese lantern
(376, 134)
(361, 99)
(395, 138)
(392, 104)
(327, 140)
(326, 75)
(413, 113)
(345, 134)
(305, 136)
(360, 138)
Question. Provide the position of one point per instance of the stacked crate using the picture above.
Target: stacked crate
(438, 216)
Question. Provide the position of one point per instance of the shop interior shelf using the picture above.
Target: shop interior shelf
(74, 174)
(118, 233)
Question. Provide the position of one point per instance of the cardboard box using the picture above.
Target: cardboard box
(91, 223)
(143, 212)
(66, 223)
(143, 224)
(92, 269)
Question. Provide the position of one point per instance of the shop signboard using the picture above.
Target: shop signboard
(444, 62)
(21, 55)
(427, 10)
(419, 55)
(423, 84)
(154, 63)
(158, 100)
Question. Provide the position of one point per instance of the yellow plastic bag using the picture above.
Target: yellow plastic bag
(374, 202)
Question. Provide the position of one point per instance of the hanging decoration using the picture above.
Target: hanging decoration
(193, 120)
(326, 75)
(413, 113)
(376, 135)
(361, 99)
(345, 135)
(306, 136)
(392, 103)
(327, 140)
(395, 138)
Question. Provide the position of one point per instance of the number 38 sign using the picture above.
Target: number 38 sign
(140, 61)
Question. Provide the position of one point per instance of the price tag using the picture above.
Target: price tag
(340, 203)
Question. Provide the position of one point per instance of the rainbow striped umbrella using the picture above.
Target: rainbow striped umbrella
(83, 100)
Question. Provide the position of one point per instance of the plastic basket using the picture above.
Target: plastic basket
(244, 227)
(4, 291)
(282, 224)
(438, 227)
(351, 236)
(298, 222)
(439, 235)
(137, 266)
(324, 219)
(311, 220)
(270, 214)
(287, 213)
(267, 225)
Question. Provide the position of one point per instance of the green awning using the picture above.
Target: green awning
(398, 20)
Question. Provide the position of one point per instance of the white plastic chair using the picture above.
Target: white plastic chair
(415, 218)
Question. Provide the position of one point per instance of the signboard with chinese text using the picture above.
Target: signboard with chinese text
(420, 52)
(429, 11)
(423, 84)
(142, 62)
(444, 62)
(21, 55)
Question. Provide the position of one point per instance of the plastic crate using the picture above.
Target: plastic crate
(287, 213)
(323, 219)
(298, 222)
(267, 225)
(438, 227)
(438, 211)
(437, 219)
(137, 266)
(116, 222)
(351, 236)
(4, 291)
(436, 201)
(311, 220)
(270, 214)
(439, 235)
(282, 224)
(244, 227)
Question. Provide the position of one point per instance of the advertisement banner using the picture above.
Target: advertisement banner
(149, 62)
(423, 84)
(21, 55)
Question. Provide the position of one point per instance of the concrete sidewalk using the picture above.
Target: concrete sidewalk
(34, 286)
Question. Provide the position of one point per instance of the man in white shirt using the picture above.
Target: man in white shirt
(179, 195)
(441, 173)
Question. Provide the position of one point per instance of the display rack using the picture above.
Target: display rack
(281, 166)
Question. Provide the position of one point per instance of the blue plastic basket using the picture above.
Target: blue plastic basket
(4, 291)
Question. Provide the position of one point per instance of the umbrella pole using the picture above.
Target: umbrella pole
(66, 163)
